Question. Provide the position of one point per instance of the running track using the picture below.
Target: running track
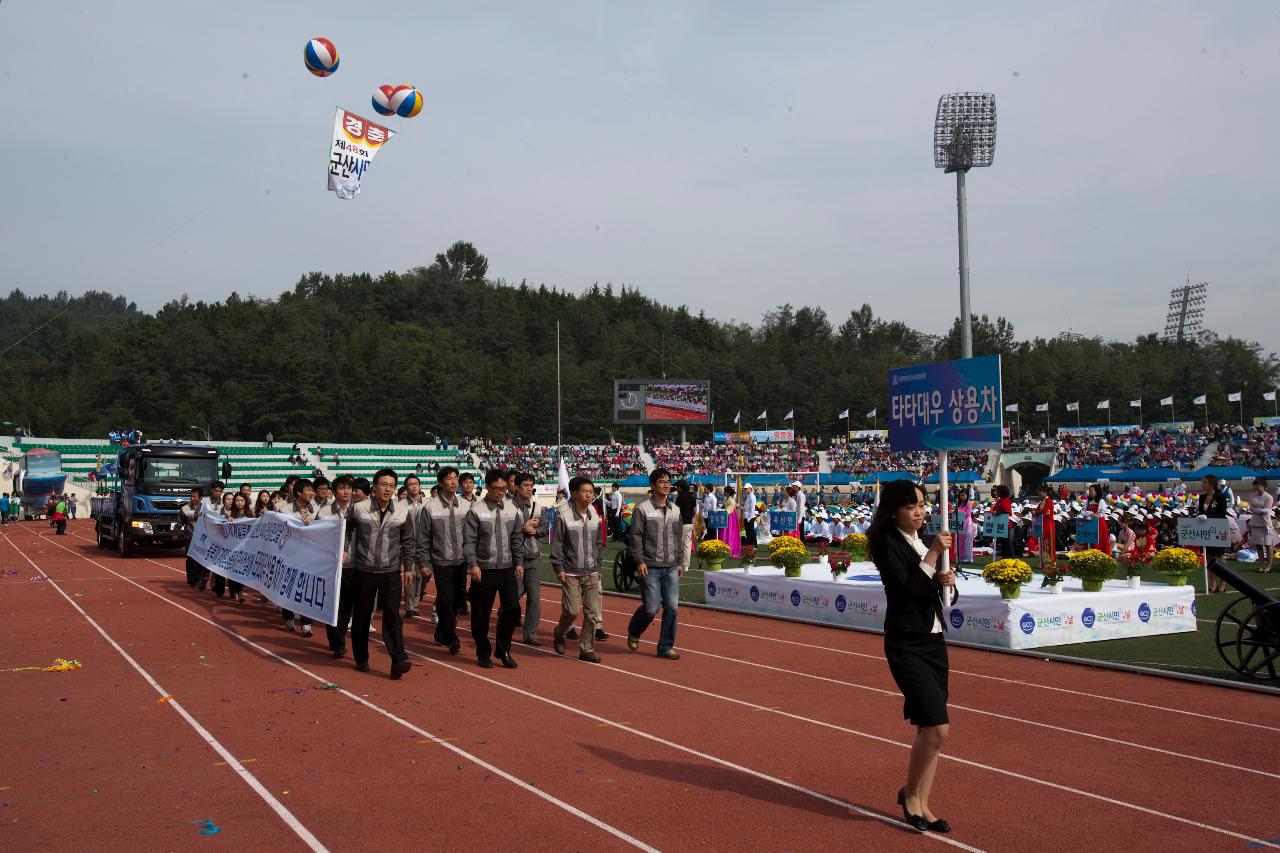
(765, 736)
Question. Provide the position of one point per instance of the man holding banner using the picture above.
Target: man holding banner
(382, 546)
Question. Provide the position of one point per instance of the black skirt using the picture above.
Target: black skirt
(919, 666)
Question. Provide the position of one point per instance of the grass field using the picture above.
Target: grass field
(1191, 654)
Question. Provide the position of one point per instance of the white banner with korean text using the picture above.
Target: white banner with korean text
(356, 141)
(297, 566)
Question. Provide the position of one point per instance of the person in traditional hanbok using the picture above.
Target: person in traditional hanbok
(1095, 506)
(962, 539)
(1048, 540)
(731, 533)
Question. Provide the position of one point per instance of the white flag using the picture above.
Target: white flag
(1201, 400)
(1233, 398)
(1042, 407)
(1073, 407)
(1012, 407)
(789, 415)
(1135, 404)
(1269, 395)
(763, 415)
(562, 479)
(356, 141)
(738, 417)
(1104, 404)
(1166, 401)
(871, 414)
(843, 414)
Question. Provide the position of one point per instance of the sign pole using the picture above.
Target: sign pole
(943, 499)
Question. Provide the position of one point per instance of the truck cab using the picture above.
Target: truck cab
(151, 483)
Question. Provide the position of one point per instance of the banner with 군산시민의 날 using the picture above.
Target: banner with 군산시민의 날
(356, 141)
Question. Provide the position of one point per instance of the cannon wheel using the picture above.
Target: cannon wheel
(1258, 644)
(1227, 631)
(622, 581)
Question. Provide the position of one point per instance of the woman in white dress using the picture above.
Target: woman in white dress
(1262, 531)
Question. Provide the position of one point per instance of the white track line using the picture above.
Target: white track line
(686, 624)
(824, 724)
(671, 744)
(896, 695)
(278, 807)
(462, 753)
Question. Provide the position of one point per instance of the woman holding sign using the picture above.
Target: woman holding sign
(1095, 506)
(1048, 540)
(1213, 504)
(917, 593)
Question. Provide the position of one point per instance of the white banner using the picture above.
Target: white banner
(1034, 620)
(297, 566)
(356, 141)
(1206, 533)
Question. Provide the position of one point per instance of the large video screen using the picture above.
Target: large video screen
(662, 401)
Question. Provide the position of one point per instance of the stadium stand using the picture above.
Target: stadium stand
(709, 458)
(600, 462)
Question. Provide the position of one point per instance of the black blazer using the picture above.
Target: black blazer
(914, 599)
(1214, 506)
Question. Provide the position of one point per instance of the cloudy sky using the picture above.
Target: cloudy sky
(728, 156)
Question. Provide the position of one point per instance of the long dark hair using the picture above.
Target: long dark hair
(893, 497)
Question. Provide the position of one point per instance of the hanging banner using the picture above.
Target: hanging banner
(949, 405)
(297, 566)
(356, 141)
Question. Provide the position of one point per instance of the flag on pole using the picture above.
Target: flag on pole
(1201, 400)
(763, 415)
(1042, 407)
(871, 414)
(1073, 407)
(1270, 396)
(737, 419)
(1233, 398)
(1135, 404)
(1104, 404)
(843, 414)
(1166, 401)
(789, 415)
(1012, 407)
(562, 479)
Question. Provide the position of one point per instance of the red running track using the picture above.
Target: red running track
(766, 735)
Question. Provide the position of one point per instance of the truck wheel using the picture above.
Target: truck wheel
(103, 543)
(123, 545)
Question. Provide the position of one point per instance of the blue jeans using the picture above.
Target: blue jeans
(661, 586)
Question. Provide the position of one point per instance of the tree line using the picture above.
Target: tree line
(441, 350)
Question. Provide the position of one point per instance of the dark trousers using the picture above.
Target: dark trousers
(749, 530)
(337, 633)
(61, 524)
(500, 583)
(289, 614)
(451, 592)
(385, 586)
(195, 572)
(221, 585)
(613, 520)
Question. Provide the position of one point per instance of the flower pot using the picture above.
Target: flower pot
(714, 565)
(1091, 585)
(1176, 580)
(791, 571)
(1135, 581)
(1056, 588)
(1010, 591)
(823, 560)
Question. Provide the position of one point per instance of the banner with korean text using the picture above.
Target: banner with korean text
(297, 566)
(356, 141)
(949, 405)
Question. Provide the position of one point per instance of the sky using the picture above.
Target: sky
(725, 156)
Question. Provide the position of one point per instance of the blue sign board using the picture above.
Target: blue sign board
(718, 519)
(781, 520)
(950, 405)
(1087, 531)
(996, 526)
(1037, 526)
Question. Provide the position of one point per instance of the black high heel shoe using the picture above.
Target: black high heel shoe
(915, 821)
(939, 825)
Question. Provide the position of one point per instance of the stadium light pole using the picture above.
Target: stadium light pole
(964, 137)
(207, 437)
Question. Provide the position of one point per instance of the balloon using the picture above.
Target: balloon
(382, 100)
(321, 57)
(406, 101)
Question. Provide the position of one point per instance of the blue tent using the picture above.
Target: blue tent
(1087, 475)
(635, 481)
(1273, 474)
(962, 477)
(1224, 472)
(887, 477)
(1160, 475)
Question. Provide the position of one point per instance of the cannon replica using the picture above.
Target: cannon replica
(1248, 631)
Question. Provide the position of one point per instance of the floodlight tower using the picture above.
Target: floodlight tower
(1186, 312)
(964, 137)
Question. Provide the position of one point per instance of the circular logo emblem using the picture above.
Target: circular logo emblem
(1087, 617)
(1193, 607)
(840, 603)
(957, 617)
(1144, 612)
(755, 593)
(711, 588)
(795, 597)
(1027, 623)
